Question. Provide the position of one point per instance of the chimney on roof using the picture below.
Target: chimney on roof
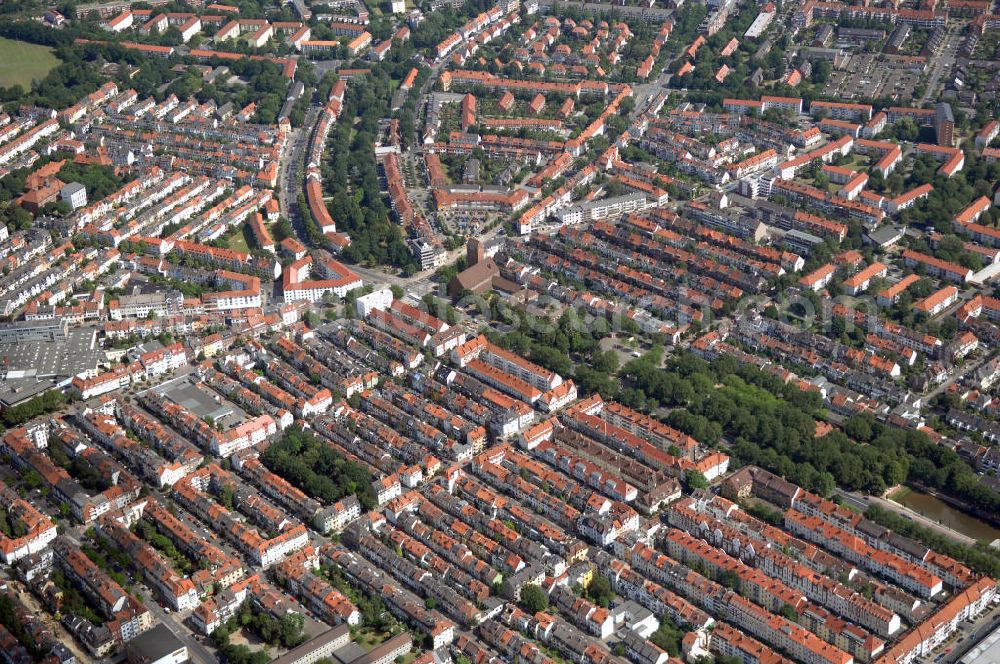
(475, 251)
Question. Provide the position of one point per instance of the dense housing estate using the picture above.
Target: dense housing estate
(514, 332)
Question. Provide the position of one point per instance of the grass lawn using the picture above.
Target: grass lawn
(410, 656)
(21, 62)
(857, 162)
(368, 638)
(237, 240)
(899, 493)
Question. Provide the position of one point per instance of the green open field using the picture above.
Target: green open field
(21, 62)
(236, 239)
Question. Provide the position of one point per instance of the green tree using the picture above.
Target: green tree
(317, 469)
(821, 72)
(226, 495)
(695, 480)
(599, 591)
(533, 598)
(788, 611)
(907, 129)
(668, 636)
(860, 427)
(729, 579)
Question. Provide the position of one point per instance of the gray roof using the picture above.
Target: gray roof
(62, 358)
(154, 644)
(943, 112)
(17, 390)
(801, 236)
(884, 234)
(331, 635)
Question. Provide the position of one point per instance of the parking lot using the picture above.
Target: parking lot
(873, 76)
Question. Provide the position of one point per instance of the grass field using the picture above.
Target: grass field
(21, 62)
(236, 239)
(899, 493)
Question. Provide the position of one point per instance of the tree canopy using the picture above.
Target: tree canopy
(317, 468)
(534, 599)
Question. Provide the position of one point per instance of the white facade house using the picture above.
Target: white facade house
(377, 299)
(75, 194)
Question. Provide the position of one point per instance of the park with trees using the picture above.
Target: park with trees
(315, 467)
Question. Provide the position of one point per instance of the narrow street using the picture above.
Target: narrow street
(418, 120)
(957, 376)
(292, 171)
